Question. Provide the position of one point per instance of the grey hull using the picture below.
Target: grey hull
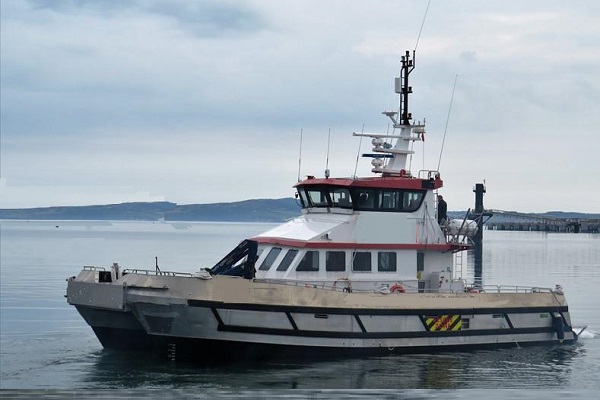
(227, 318)
(116, 329)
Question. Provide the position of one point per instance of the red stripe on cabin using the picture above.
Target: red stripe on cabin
(376, 182)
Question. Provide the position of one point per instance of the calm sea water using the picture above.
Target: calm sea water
(45, 344)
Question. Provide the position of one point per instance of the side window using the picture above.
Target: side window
(310, 262)
(420, 265)
(303, 198)
(412, 201)
(269, 259)
(386, 261)
(388, 200)
(287, 260)
(364, 199)
(335, 261)
(361, 261)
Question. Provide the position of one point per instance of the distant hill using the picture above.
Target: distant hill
(259, 210)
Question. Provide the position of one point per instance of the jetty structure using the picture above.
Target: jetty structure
(518, 221)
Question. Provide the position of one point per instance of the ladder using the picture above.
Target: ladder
(458, 265)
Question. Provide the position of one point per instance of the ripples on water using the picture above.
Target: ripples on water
(532, 367)
(46, 344)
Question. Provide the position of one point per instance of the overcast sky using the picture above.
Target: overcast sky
(203, 101)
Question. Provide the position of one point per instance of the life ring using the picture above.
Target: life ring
(397, 287)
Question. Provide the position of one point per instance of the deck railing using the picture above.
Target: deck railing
(155, 272)
(346, 286)
(514, 289)
(141, 271)
(93, 268)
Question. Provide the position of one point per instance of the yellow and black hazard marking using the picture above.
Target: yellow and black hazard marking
(440, 323)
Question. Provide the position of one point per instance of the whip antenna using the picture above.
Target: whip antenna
(300, 155)
(327, 159)
(359, 145)
(447, 119)
(422, 24)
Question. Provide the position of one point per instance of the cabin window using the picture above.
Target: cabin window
(270, 258)
(420, 262)
(335, 261)
(341, 198)
(318, 197)
(310, 262)
(361, 261)
(389, 200)
(303, 199)
(386, 261)
(287, 260)
(364, 199)
(412, 201)
(361, 198)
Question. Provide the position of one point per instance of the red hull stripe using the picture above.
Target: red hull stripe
(347, 245)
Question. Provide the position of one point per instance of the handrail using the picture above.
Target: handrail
(505, 289)
(154, 272)
(341, 285)
(93, 268)
(428, 173)
(514, 289)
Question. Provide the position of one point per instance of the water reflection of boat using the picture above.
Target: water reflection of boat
(368, 268)
(531, 367)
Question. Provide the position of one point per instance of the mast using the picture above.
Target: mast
(388, 159)
(402, 87)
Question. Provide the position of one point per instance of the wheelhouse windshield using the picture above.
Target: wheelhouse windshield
(361, 199)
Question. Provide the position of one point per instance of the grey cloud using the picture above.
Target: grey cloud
(200, 18)
(79, 6)
(208, 18)
(468, 56)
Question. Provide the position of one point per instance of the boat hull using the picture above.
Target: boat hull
(222, 351)
(226, 318)
(212, 351)
(116, 329)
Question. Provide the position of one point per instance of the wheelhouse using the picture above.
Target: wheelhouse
(360, 198)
